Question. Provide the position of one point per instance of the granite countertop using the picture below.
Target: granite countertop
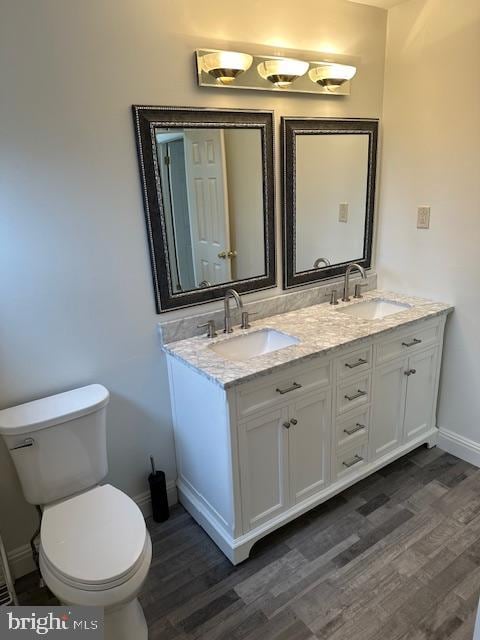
(320, 329)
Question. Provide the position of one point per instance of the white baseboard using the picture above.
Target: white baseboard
(459, 446)
(20, 559)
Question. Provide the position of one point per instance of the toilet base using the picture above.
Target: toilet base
(123, 615)
(126, 622)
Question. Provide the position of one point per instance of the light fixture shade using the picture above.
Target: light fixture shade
(282, 71)
(225, 66)
(332, 75)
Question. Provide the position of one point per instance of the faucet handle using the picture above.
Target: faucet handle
(246, 319)
(211, 329)
(358, 288)
(334, 297)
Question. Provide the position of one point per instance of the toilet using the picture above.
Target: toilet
(94, 546)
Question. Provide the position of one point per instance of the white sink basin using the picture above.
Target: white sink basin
(253, 344)
(374, 309)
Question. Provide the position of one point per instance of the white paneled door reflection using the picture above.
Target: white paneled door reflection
(208, 204)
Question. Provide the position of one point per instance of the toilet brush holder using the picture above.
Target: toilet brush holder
(158, 494)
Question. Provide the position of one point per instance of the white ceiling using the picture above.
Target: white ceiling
(384, 4)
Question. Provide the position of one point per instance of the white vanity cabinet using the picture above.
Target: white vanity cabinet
(389, 383)
(258, 454)
(405, 386)
(284, 457)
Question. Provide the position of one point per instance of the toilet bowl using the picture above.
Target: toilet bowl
(95, 550)
(94, 546)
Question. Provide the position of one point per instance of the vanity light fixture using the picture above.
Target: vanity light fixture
(332, 75)
(225, 66)
(282, 71)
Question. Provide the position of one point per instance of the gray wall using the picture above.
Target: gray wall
(431, 156)
(243, 155)
(75, 285)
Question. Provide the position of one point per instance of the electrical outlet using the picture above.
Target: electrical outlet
(423, 218)
(343, 212)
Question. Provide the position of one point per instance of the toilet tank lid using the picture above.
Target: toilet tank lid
(47, 412)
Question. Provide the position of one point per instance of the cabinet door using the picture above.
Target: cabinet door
(310, 433)
(421, 387)
(389, 389)
(263, 455)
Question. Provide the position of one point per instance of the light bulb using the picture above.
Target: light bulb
(225, 66)
(282, 71)
(332, 75)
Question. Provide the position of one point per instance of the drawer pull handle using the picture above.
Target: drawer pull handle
(412, 343)
(286, 424)
(294, 386)
(359, 394)
(357, 427)
(410, 372)
(28, 442)
(352, 365)
(355, 460)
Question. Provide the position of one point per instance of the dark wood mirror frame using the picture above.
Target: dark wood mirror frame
(146, 120)
(290, 128)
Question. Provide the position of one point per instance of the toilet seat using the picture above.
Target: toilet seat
(93, 586)
(94, 541)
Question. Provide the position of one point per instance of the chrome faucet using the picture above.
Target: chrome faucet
(348, 271)
(230, 293)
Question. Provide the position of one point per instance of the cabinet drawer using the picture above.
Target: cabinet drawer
(406, 343)
(354, 363)
(265, 393)
(353, 431)
(353, 394)
(351, 460)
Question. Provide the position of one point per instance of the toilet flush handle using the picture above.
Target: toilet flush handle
(28, 442)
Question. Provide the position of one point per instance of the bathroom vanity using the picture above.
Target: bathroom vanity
(274, 419)
(316, 400)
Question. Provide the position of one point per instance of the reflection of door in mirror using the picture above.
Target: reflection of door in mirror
(195, 200)
(331, 199)
(212, 192)
(206, 183)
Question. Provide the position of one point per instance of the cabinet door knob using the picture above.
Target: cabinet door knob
(286, 425)
(293, 421)
(411, 372)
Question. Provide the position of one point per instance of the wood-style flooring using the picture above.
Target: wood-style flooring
(395, 557)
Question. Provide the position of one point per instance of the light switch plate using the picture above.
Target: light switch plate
(423, 218)
(343, 212)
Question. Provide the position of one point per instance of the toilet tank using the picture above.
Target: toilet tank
(58, 444)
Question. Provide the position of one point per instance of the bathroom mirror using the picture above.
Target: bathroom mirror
(329, 171)
(207, 180)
